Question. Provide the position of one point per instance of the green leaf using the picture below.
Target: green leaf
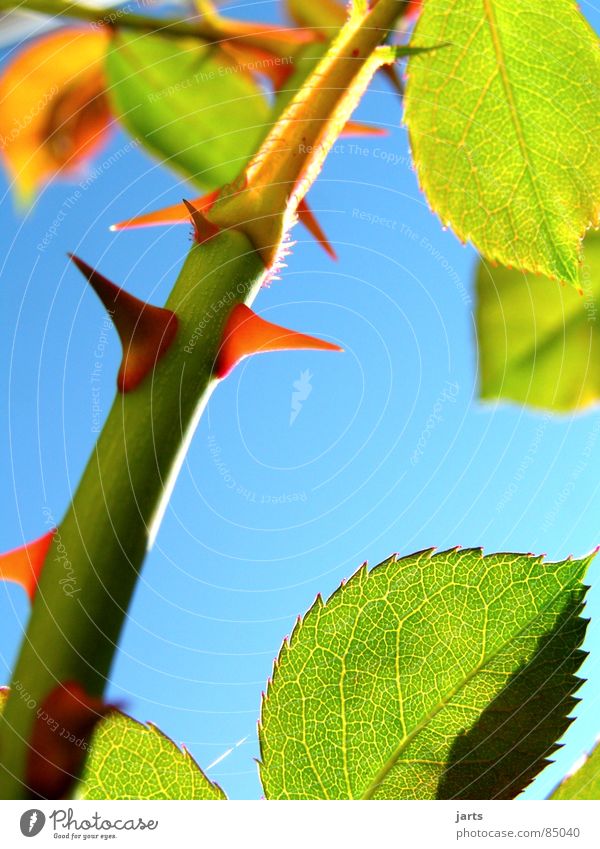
(188, 103)
(539, 343)
(446, 676)
(128, 760)
(505, 128)
(584, 783)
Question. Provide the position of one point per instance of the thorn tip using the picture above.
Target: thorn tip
(246, 334)
(146, 332)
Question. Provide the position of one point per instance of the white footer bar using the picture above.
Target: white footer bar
(302, 825)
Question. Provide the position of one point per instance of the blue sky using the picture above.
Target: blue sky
(268, 511)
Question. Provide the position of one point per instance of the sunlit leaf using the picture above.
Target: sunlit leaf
(128, 760)
(53, 108)
(584, 780)
(539, 343)
(434, 676)
(189, 103)
(505, 128)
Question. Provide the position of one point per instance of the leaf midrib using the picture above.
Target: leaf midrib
(514, 114)
(382, 774)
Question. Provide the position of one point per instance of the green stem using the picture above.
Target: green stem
(102, 541)
(196, 28)
(292, 154)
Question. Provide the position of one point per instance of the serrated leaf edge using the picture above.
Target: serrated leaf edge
(363, 573)
(151, 728)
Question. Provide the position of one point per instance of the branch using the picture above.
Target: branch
(115, 513)
(196, 27)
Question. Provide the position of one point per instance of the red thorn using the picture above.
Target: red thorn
(59, 741)
(413, 10)
(175, 214)
(246, 333)
(356, 128)
(146, 332)
(306, 216)
(24, 565)
(203, 228)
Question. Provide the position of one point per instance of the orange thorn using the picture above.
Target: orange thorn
(306, 216)
(60, 738)
(175, 214)
(246, 334)
(24, 565)
(145, 331)
(203, 228)
(356, 128)
(179, 213)
(391, 72)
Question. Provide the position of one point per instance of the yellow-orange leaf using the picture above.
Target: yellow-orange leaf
(53, 109)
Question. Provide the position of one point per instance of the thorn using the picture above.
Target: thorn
(306, 217)
(203, 228)
(145, 331)
(175, 214)
(59, 740)
(180, 213)
(24, 565)
(356, 128)
(246, 334)
(391, 72)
